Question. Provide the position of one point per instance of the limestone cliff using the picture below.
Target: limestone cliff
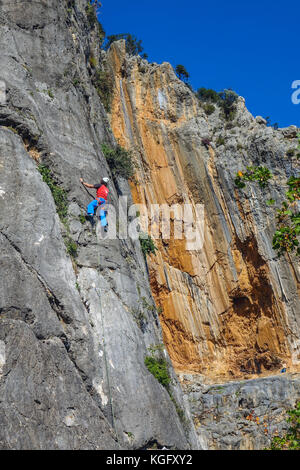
(230, 309)
(79, 314)
(74, 331)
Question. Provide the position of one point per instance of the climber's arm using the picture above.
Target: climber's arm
(87, 185)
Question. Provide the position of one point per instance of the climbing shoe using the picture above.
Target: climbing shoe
(90, 218)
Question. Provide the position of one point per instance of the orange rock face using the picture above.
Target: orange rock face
(221, 306)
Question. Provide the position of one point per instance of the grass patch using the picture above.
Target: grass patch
(158, 367)
(59, 195)
(220, 141)
(71, 247)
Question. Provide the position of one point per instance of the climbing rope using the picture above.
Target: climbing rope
(105, 360)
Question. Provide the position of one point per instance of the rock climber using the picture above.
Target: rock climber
(101, 198)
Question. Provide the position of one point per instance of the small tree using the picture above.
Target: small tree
(181, 73)
(228, 99)
(207, 94)
(133, 45)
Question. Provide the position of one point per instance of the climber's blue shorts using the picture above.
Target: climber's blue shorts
(93, 206)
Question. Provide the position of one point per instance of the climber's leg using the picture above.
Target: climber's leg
(92, 207)
(102, 213)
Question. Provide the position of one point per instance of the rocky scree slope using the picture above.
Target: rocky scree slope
(54, 391)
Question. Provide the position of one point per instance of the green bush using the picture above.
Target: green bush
(208, 108)
(220, 141)
(226, 99)
(59, 195)
(207, 94)
(286, 236)
(133, 45)
(291, 441)
(147, 245)
(91, 15)
(104, 86)
(71, 247)
(158, 368)
(260, 174)
(181, 73)
(93, 61)
(119, 160)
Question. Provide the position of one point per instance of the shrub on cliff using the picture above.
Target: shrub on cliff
(209, 108)
(133, 45)
(207, 94)
(59, 195)
(158, 368)
(119, 161)
(91, 14)
(104, 86)
(182, 73)
(291, 440)
(147, 244)
(226, 99)
(286, 238)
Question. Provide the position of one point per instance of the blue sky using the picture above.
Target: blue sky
(251, 47)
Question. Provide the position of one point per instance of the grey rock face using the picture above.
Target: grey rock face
(60, 387)
(242, 415)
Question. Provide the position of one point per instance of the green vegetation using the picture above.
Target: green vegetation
(61, 203)
(207, 94)
(104, 86)
(82, 219)
(119, 160)
(181, 73)
(291, 441)
(227, 103)
(91, 13)
(13, 130)
(209, 108)
(260, 174)
(286, 236)
(76, 82)
(133, 45)
(220, 141)
(147, 244)
(179, 411)
(290, 153)
(158, 368)
(226, 99)
(59, 195)
(71, 246)
(288, 222)
(93, 61)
